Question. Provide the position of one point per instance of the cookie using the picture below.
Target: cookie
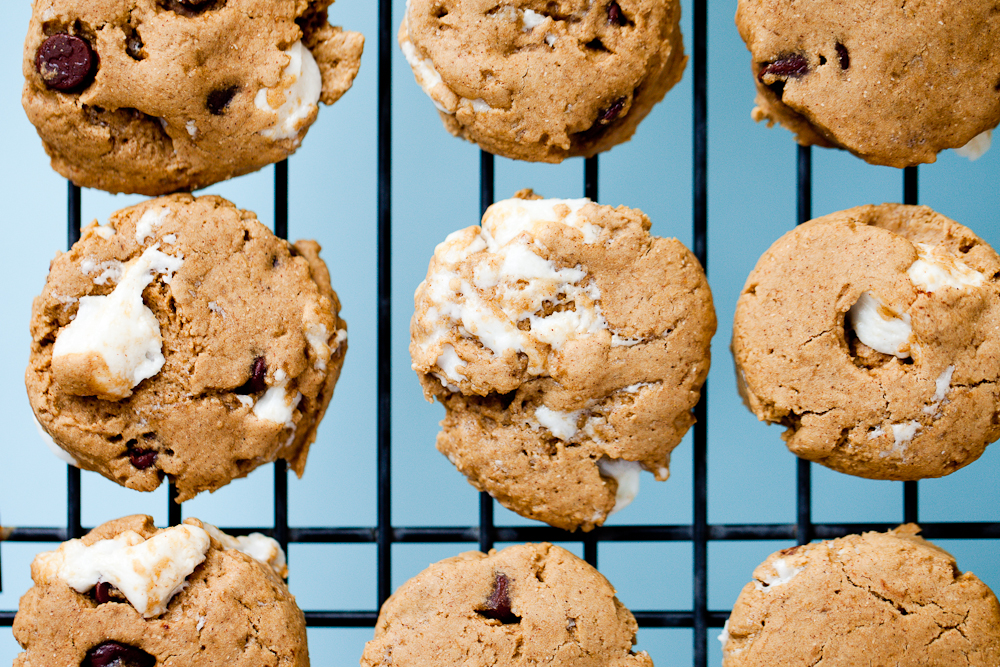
(544, 81)
(871, 335)
(129, 595)
(530, 604)
(183, 338)
(156, 96)
(893, 83)
(568, 347)
(876, 599)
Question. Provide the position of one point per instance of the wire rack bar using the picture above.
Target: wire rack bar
(487, 183)
(384, 411)
(699, 528)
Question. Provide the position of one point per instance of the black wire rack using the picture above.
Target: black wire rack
(699, 533)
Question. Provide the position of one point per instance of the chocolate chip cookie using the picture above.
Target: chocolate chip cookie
(530, 604)
(871, 334)
(544, 81)
(183, 338)
(129, 595)
(873, 599)
(893, 83)
(156, 96)
(568, 347)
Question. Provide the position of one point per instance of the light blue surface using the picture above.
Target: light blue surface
(435, 191)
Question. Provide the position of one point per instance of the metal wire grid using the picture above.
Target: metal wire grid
(384, 534)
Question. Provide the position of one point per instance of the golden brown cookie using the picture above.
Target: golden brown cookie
(156, 96)
(129, 595)
(184, 339)
(530, 604)
(881, 599)
(544, 81)
(892, 82)
(568, 347)
(871, 334)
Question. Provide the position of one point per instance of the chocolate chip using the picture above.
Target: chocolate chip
(102, 592)
(188, 8)
(498, 605)
(843, 56)
(609, 114)
(142, 458)
(116, 654)
(794, 65)
(218, 100)
(615, 15)
(258, 378)
(789, 551)
(65, 62)
(133, 47)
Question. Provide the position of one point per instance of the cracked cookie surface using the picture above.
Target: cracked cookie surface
(568, 347)
(157, 96)
(893, 83)
(544, 81)
(871, 335)
(184, 339)
(529, 604)
(230, 607)
(873, 599)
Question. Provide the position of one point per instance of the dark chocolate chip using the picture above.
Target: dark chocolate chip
(794, 65)
(116, 654)
(615, 15)
(843, 56)
(258, 378)
(187, 8)
(218, 100)
(142, 458)
(609, 114)
(102, 592)
(789, 551)
(133, 47)
(498, 605)
(65, 62)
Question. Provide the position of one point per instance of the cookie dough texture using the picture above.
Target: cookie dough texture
(924, 406)
(544, 81)
(568, 347)
(185, 94)
(234, 611)
(892, 82)
(880, 599)
(560, 611)
(252, 346)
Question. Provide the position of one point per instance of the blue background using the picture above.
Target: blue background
(751, 476)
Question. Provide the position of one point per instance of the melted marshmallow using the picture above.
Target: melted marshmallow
(941, 386)
(510, 283)
(626, 473)
(277, 404)
(149, 221)
(935, 268)
(300, 88)
(902, 435)
(119, 329)
(783, 574)
(147, 572)
(879, 328)
(532, 19)
(259, 547)
(60, 453)
(977, 146)
(561, 424)
(428, 78)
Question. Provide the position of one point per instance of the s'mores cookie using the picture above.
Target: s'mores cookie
(156, 96)
(544, 81)
(873, 599)
(871, 335)
(569, 347)
(183, 339)
(129, 595)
